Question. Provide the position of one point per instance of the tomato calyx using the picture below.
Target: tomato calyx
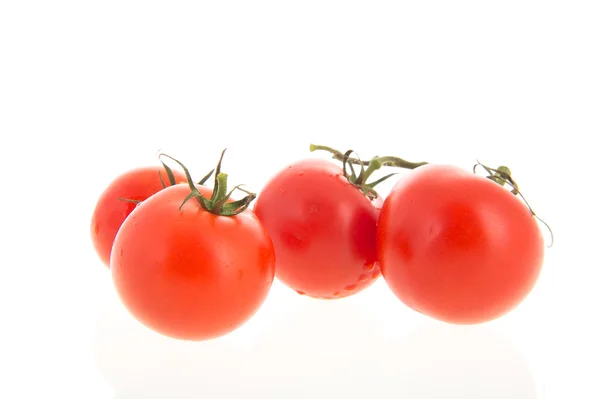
(218, 203)
(360, 180)
(503, 176)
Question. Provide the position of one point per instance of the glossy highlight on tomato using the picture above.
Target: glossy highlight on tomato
(323, 229)
(456, 246)
(188, 273)
(113, 208)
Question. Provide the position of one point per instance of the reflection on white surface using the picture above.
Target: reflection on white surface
(139, 363)
(318, 349)
(458, 362)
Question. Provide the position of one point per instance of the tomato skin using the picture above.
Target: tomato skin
(191, 274)
(456, 246)
(323, 230)
(110, 212)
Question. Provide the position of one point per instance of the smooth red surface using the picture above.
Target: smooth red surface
(110, 212)
(323, 230)
(456, 246)
(191, 274)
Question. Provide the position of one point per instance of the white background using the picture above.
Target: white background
(89, 89)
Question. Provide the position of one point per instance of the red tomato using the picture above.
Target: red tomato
(456, 246)
(323, 230)
(110, 211)
(191, 274)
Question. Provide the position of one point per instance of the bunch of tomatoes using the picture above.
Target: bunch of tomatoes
(191, 262)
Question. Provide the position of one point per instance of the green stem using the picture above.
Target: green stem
(372, 166)
(222, 185)
(383, 161)
(502, 176)
(218, 202)
(499, 176)
(315, 147)
(220, 195)
(398, 162)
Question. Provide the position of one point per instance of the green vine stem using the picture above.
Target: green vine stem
(376, 161)
(361, 180)
(503, 176)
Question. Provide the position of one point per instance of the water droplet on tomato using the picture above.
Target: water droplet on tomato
(240, 274)
(375, 274)
(300, 292)
(301, 173)
(121, 252)
(369, 266)
(337, 293)
(363, 277)
(350, 287)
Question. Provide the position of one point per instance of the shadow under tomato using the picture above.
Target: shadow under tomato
(466, 362)
(312, 349)
(141, 364)
(337, 351)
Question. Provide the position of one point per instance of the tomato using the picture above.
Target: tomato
(456, 246)
(323, 229)
(191, 274)
(111, 211)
